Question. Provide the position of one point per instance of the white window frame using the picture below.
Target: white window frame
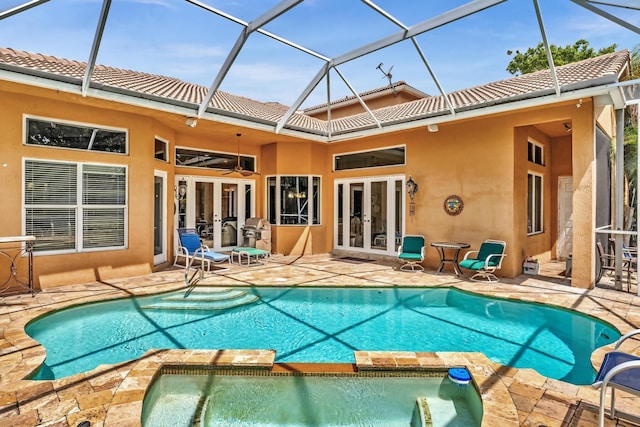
(166, 149)
(228, 153)
(78, 207)
(333, 164)
(536, 205)
(531, 151)
(310, 205)
(25, 131)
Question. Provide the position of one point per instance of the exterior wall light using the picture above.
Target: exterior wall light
(412, 189)
(181, 190)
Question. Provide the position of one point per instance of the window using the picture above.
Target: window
(213, 160)
(160, 151)
(296, 198)
(534, 204)
(369, 159)
(536, 153)
(78, 137)
(75, 207)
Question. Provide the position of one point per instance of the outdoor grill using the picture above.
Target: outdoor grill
(256, 233)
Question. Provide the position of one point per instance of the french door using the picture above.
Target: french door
(159, 217)
(216, 208)
(369, 214)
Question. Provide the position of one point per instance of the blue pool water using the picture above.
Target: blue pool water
(309, 400)
(324, 325)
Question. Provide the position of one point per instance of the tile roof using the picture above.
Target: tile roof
(587, 73)
(399, 86)
(531, 85)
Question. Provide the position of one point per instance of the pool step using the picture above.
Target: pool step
(204, 298)
(421, 414)
(201, 293)
(201, 411)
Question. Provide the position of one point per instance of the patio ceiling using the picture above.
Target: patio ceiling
(627, 93)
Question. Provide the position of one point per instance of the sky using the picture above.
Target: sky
(178, 39)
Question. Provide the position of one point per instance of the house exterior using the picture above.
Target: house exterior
(104, 180)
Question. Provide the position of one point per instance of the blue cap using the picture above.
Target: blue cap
(459, 375)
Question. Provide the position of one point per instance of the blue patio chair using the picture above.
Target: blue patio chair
(486, 261)
(192, 249)
(620, 371)
(411, 252)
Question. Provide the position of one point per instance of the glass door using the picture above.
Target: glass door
(217, 209)
(226, 215)
(357, 215)
(378, 215)
(159, 218)
(369, 214)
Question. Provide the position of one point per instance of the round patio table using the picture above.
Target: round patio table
(449, 252)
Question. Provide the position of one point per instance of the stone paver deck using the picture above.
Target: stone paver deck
(112, 395)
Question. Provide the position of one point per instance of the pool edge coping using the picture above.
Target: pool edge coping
(26, 356)
(498, 407)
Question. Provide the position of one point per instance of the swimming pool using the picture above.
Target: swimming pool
(229, 398)
(322, 325)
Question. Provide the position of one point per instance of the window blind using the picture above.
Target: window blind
(103, 185)
(48, 183)
(75, 206)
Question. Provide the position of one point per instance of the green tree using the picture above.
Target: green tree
(631, 128)
(535, 58)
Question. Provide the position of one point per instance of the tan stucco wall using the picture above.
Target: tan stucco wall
(301, 158)
(583, 273)
(482, 160)
(52, 270)
(561, 166)
(535, 245)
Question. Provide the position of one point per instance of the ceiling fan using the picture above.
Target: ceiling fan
(238, 168)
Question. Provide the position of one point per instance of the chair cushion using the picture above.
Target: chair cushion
(488, 248)
(410, 256)
(215, 256)
(412, 244)
(251, 251)
(471, 264)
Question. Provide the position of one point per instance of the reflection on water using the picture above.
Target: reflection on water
(326, 325)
